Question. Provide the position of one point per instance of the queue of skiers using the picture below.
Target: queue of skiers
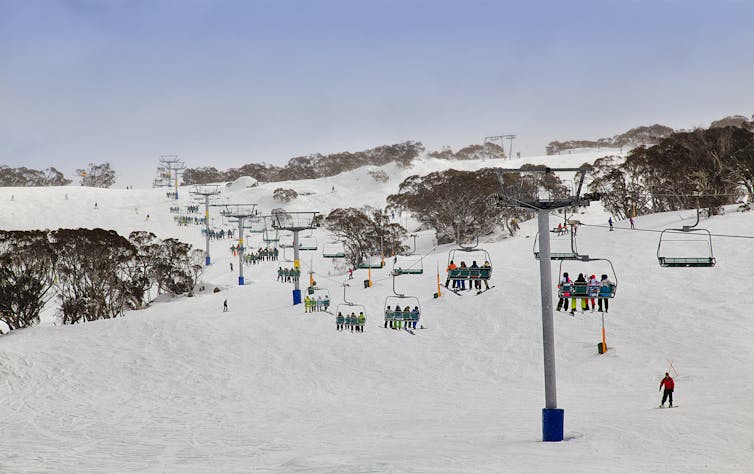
(262, 254)
(401, 318)
(188, 220)
(598, 290)
(353, 322)
(316, 304)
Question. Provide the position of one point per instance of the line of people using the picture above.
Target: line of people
(260, 255)
(316, 304)
(400, 318)
(595, 290)
(287, 275)
(353, 322)
(460, 283)
(218, 234)
(187, 220)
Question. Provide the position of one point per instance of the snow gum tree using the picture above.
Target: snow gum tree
(27, 265)
(365, 232)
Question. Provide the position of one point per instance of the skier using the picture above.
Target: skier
(415, 315)
(225, 306)
(231, 266)
(307, 304)
(610, 221)
(593, 290)
(339, 321)
(388, 316)
(668, 393)
(319, 303)
(565, 283)
(580, 280)
(631, 221)
(350, 273)
(361, 321)
(606, 287)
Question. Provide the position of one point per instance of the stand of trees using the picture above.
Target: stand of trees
(10, 177)
(310, 166)
(365, 232)
(461, 205)
(95, 273)
(97, 175)
(706, 168)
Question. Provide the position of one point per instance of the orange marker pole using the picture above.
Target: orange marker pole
(439, 293)
(369, 274)
(604, 341)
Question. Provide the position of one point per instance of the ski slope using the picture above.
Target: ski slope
(183, 387)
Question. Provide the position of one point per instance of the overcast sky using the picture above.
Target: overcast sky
(225, 82)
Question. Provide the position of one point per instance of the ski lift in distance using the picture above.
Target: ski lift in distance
(316, 291)
(571, 254)
(399, 300)
(701, 237)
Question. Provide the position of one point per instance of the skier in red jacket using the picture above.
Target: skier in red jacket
(669, 386)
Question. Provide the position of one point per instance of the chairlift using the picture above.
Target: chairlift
(270, 235)
(583, 290)
(334, 250)
(256, 227)
(565, 248)
(698, 239)
(349, 305)
(307, 243)
(316, 291)
(394, 316)
(283, 256)
(463, 272)
(374, 261)
(408, 265)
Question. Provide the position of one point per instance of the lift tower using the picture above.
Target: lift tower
(206, 192)
(240, 212)
(174, 168)
(552, 416)
(295, 222)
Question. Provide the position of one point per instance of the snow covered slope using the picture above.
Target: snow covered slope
(183, 387)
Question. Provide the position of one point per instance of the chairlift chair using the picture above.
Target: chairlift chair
(307, 243)
(269, 237)
(561, 253)
(351, 305)
(408, 265)
(372, 262)
(700, 239)
(400, 300)
(316, 291)
(574, 290)
(333, 251)
(468, 273)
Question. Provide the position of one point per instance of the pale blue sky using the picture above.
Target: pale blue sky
(227, 82)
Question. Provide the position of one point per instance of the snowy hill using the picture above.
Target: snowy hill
(183, 387)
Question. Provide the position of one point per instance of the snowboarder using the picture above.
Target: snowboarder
(668, 393)
(610, 221)
(225, 306)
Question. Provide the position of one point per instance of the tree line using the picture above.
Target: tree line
(704, 167)
(92, 273)
(94, 175)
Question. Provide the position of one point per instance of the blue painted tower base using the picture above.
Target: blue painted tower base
(206, 260)
(296, 296)
(240, 281)
(552, 424)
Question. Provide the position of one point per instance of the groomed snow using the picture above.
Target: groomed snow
(182, 387)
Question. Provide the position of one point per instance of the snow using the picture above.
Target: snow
(183, 387)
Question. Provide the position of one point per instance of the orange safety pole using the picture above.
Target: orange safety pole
(369, 274)
(439, 294)
(604, 341)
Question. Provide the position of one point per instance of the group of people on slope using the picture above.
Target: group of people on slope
(316, 304)
(397, 317)
(353, 322)
(460, 283)
(595, 288)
